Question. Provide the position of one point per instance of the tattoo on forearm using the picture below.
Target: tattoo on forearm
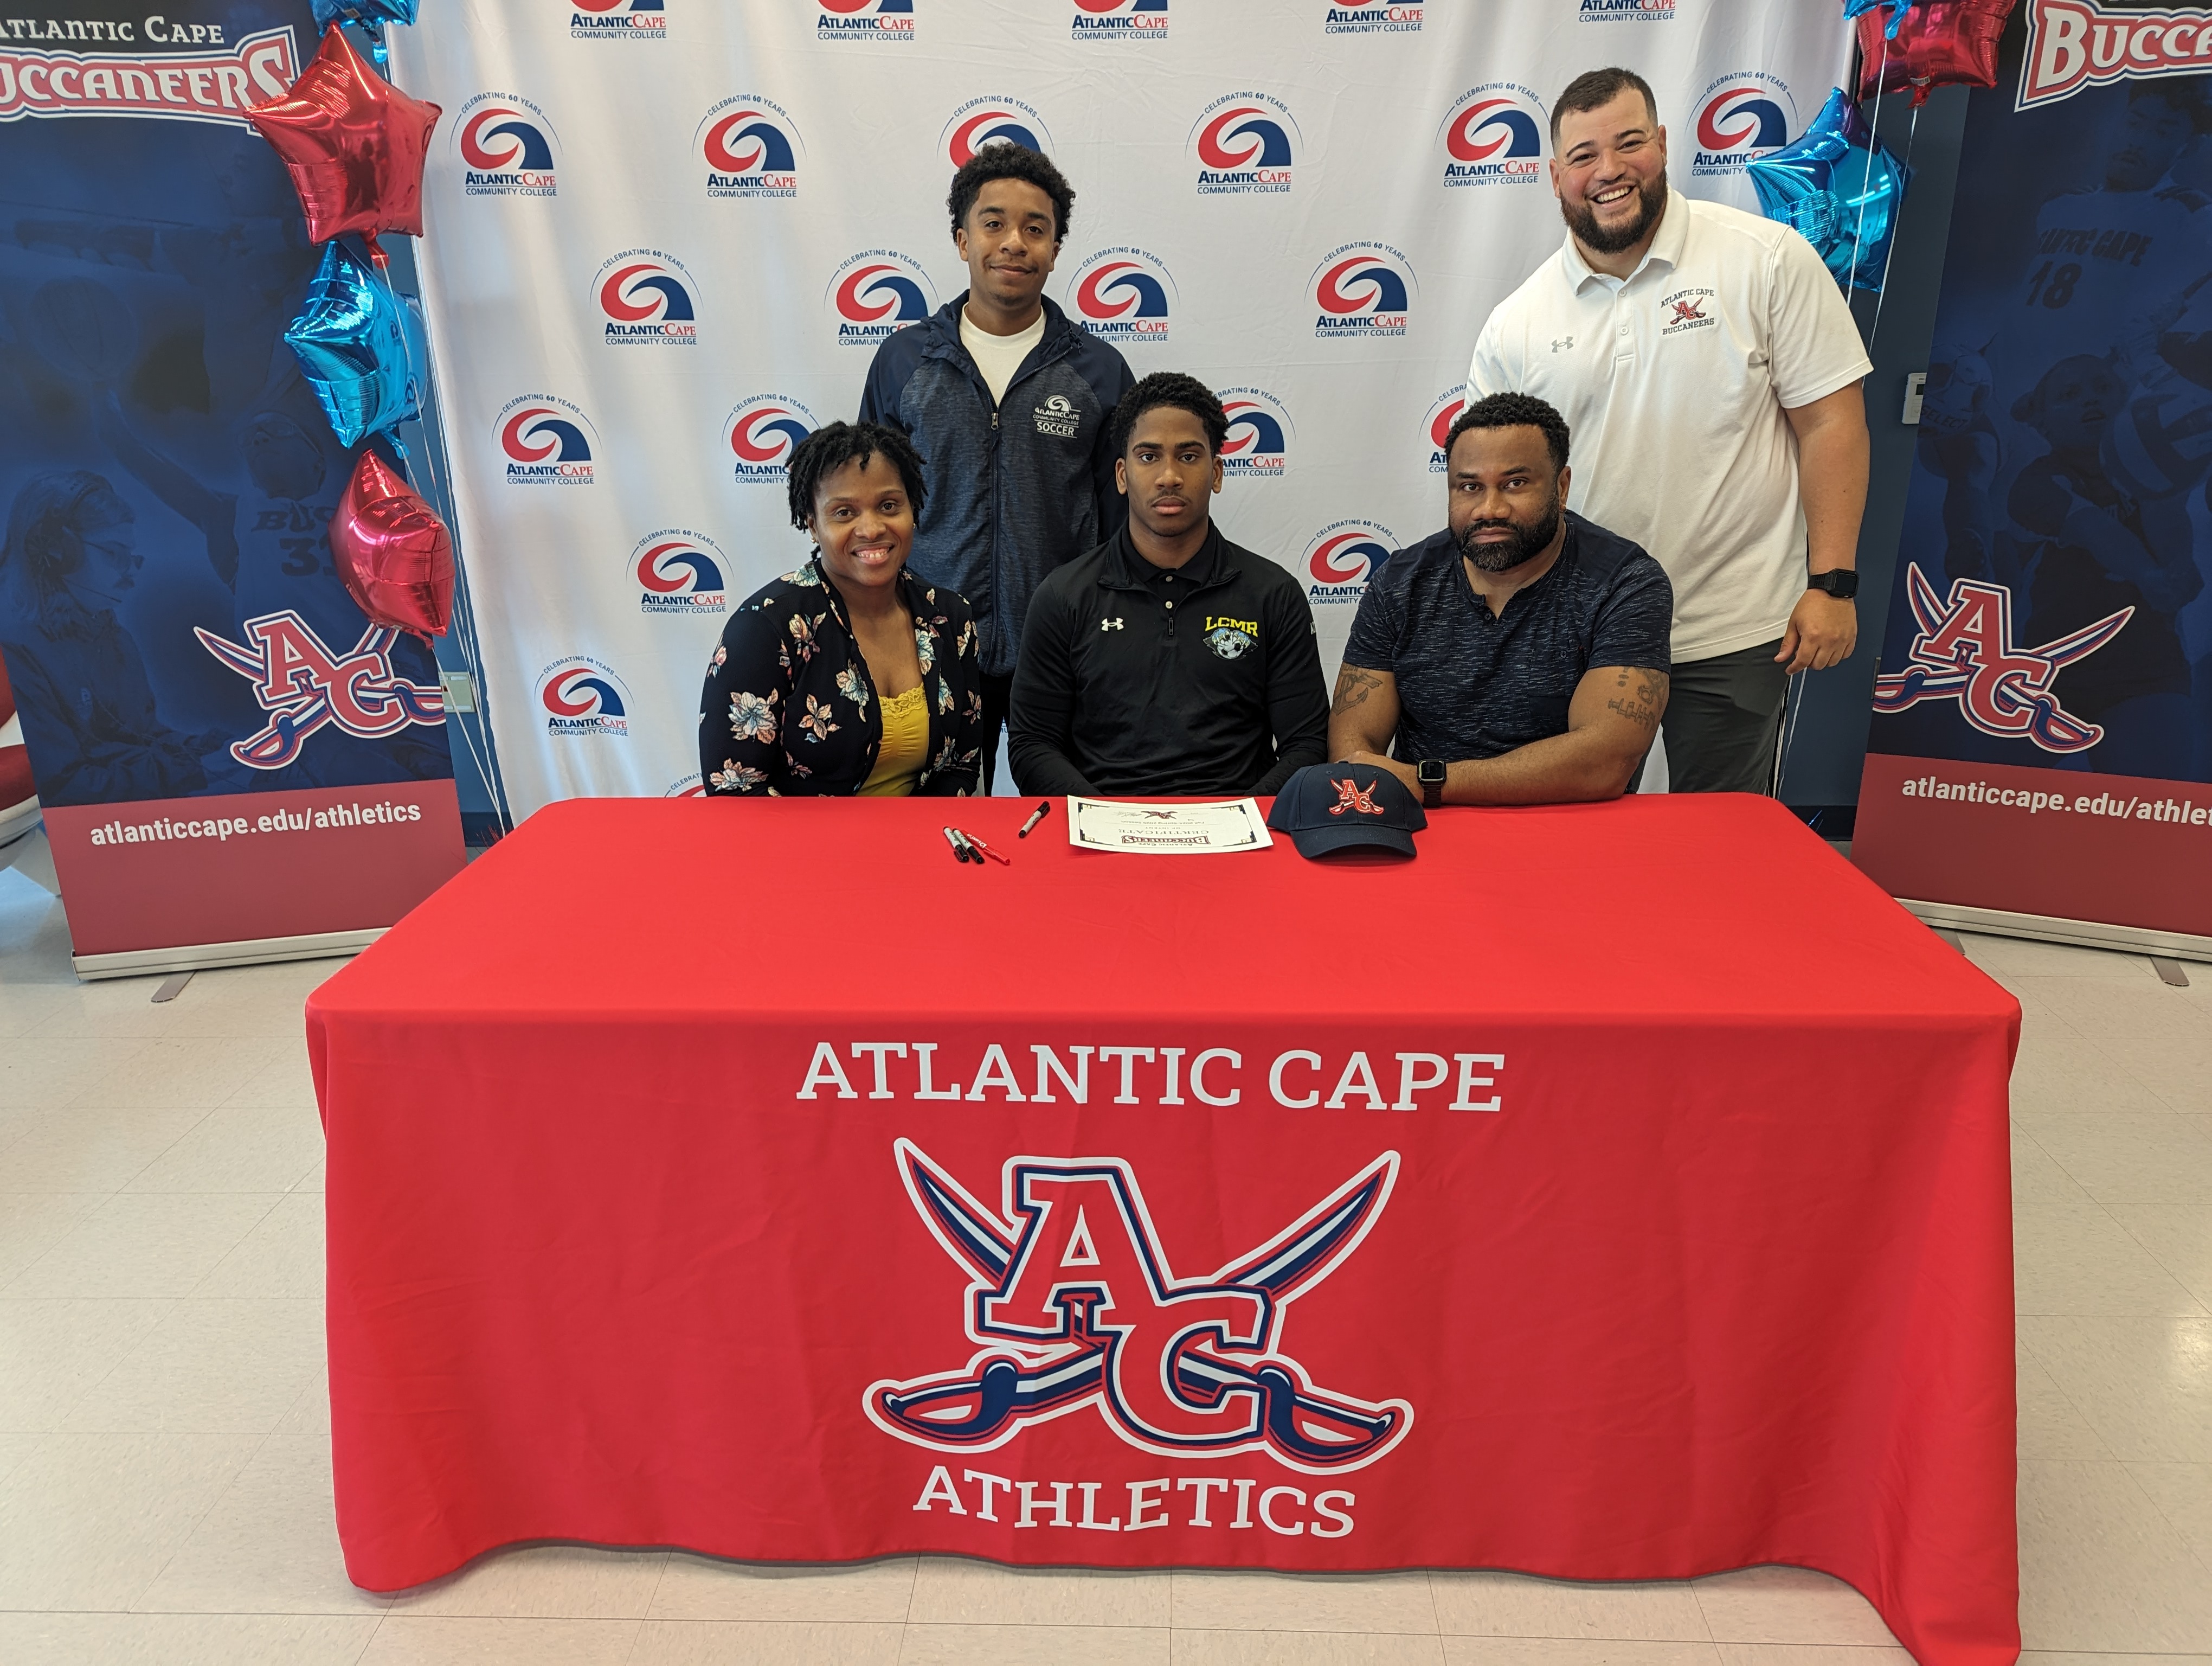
(1353, 685)
(1639, 703)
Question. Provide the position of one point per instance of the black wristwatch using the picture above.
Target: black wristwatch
(1841, 583)
(1431, 774)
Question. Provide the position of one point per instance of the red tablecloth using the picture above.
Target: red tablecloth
(1694, 1250)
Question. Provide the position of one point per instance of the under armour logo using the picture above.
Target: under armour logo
(1562, 344)
(1110, 625)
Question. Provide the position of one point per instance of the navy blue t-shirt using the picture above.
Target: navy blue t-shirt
(1475, 685)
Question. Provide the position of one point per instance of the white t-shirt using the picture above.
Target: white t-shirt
(1674, 382)
(999, 356)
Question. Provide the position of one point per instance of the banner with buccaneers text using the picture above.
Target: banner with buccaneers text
(2042, 737)
(232, 764)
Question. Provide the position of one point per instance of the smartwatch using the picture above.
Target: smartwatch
(1842, 583)
(1431, 772)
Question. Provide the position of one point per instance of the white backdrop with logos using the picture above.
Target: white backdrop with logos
(662, 237)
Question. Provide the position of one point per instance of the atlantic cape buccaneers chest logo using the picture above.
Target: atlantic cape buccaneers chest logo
(1073, 1303)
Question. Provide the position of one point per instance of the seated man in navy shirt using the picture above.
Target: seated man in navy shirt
(1519, 656)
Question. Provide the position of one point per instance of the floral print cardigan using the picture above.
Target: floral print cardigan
(789, 707)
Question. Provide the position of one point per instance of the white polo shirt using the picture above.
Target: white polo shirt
(1672, 382)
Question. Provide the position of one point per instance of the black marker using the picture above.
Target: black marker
(1035, 815)
(959, 850)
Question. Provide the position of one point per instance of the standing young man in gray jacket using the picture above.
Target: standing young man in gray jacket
(1007, 400)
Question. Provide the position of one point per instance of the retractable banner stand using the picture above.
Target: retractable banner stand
(233, 764)
(2042, 737)
(664, 238)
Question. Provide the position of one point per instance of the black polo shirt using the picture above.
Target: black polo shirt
(1136, 679)
(1472, 683)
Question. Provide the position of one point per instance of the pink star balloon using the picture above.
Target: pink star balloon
(354, 144)
(392, 551)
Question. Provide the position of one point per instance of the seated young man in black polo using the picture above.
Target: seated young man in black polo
(1167, 661)
(1519, 656)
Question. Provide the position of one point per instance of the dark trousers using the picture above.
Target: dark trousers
(1723, 721)
(997, 692)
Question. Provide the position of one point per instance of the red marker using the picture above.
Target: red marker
(1003, 861)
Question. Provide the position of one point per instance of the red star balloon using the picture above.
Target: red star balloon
(353, 142)
(392, 551)
(1939, 43)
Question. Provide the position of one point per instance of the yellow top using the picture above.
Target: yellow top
(905, 748)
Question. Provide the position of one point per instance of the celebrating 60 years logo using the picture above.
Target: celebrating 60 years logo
(1494, 136)
(1072, 1301)
(506, 146)
(1124, 294)
(679, 572)
(1438, 425)
(1740, 117)
(750, 146)
(875, 22)
(544, 440)
(1259, 441)
(984, 121)
(762, 433)
(877, 293)
(618, 20)
(1362, 290)
(647, 299)
(1343, 556)
(1118, 19)
(581, 695)
(1244, 143)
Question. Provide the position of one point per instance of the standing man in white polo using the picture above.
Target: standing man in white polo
(1710, 371)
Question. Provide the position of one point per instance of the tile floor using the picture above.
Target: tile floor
(164, 1474)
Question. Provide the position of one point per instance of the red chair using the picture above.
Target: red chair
(19, 803)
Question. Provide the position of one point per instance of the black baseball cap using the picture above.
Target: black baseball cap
(1343, 807)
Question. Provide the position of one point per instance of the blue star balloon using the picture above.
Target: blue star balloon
(1852, 8)
(369, 12)
(1841, 187)
(360, 347)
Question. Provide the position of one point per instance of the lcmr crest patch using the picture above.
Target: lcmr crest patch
(1233, 638)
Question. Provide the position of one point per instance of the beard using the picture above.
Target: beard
(1525, 546)
(1651, 203)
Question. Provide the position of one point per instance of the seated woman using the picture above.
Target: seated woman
(850, 675)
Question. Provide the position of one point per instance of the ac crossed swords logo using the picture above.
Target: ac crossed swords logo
(1687, 312)
(1072, 1301)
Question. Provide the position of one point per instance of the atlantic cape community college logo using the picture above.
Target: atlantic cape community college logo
(505, 145)
(1123, 295)
(1441, 415)
(750, 147)
(1964, 652)
(1369, 17)
(546, 441)
(993, 121)
(1118, 19)
(217, 85)
(1494, 136)
(1740, 117)
(1259, 441)
(306, 686)
(1342, 556)
(877, 293)
(1362, 290)
(762, 433)
(647, 299)
(1073, 1303)
(678, 572)
(581, 695)
(1245, 144)
(879, 21)
(618, 20)
(1626, 11)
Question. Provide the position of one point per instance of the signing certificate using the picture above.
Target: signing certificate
(1181, 830)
